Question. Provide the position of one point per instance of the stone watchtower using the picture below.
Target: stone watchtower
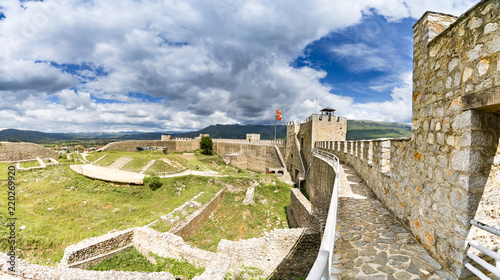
(166, 137)
(301, 138)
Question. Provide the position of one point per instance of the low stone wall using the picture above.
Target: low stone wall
(12, 152)
(169, 245)
(196, 220)
(299, 212)
(250, 156)
(90, 251)
(27, 270)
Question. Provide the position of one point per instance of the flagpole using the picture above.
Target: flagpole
(274, 129)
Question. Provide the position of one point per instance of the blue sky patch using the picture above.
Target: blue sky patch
(105, 101)
(364, 59)
(83, 69)
(144, 97)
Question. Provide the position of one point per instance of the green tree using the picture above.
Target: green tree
(206, 145)
(153, 182)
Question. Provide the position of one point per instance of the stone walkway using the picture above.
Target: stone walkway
(121, 162)
(147, 166)
(372, 243)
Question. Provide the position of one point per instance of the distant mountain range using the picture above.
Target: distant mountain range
(15, 135)
(359, 130)
(356, 130)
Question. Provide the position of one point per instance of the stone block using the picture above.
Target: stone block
(460, 160)
(474, 53)
(493, 46)
(483, 66)
(466, 120)
(471, 183)
(463, 200)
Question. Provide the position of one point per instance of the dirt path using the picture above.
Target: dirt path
(121, 162)
(147, 166)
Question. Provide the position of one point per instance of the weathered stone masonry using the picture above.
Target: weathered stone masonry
(434, 181)
(251, 156)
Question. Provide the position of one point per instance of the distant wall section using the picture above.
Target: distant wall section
(170, 145)
(10, 151)
(251, 156)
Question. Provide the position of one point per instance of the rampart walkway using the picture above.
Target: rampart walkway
(372, 243)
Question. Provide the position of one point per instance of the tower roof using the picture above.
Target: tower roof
(327, 109)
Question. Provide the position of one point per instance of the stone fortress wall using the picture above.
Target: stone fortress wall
(170, 145)
(12, 152)
(448, 172)
(256, 157)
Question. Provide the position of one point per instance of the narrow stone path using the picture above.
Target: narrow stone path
(148, 166)
(95, 161)
(372, 243)
(121, 162)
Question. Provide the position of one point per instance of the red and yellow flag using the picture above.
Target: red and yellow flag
(278, 115)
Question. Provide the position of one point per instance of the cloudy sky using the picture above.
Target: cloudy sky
(157, 65)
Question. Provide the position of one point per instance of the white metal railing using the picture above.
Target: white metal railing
(478, 260)
(333, 159)
(323, 264)
(280, 157)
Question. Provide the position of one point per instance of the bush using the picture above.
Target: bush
(153, 182)
(206, 145)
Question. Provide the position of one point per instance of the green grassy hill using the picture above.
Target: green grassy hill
(361, 129)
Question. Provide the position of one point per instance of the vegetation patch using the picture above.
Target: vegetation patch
(246, 273)
(132, 260)
(234, 221)
(161, 166)
(4, 169)
(153, 182)
(162, 226)
(28, 164)
(137, 164)
(105, 161)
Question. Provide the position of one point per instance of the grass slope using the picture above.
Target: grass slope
(234, 221)
(359, 130)
(132, 260)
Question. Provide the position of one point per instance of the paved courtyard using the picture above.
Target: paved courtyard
(372, 243)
